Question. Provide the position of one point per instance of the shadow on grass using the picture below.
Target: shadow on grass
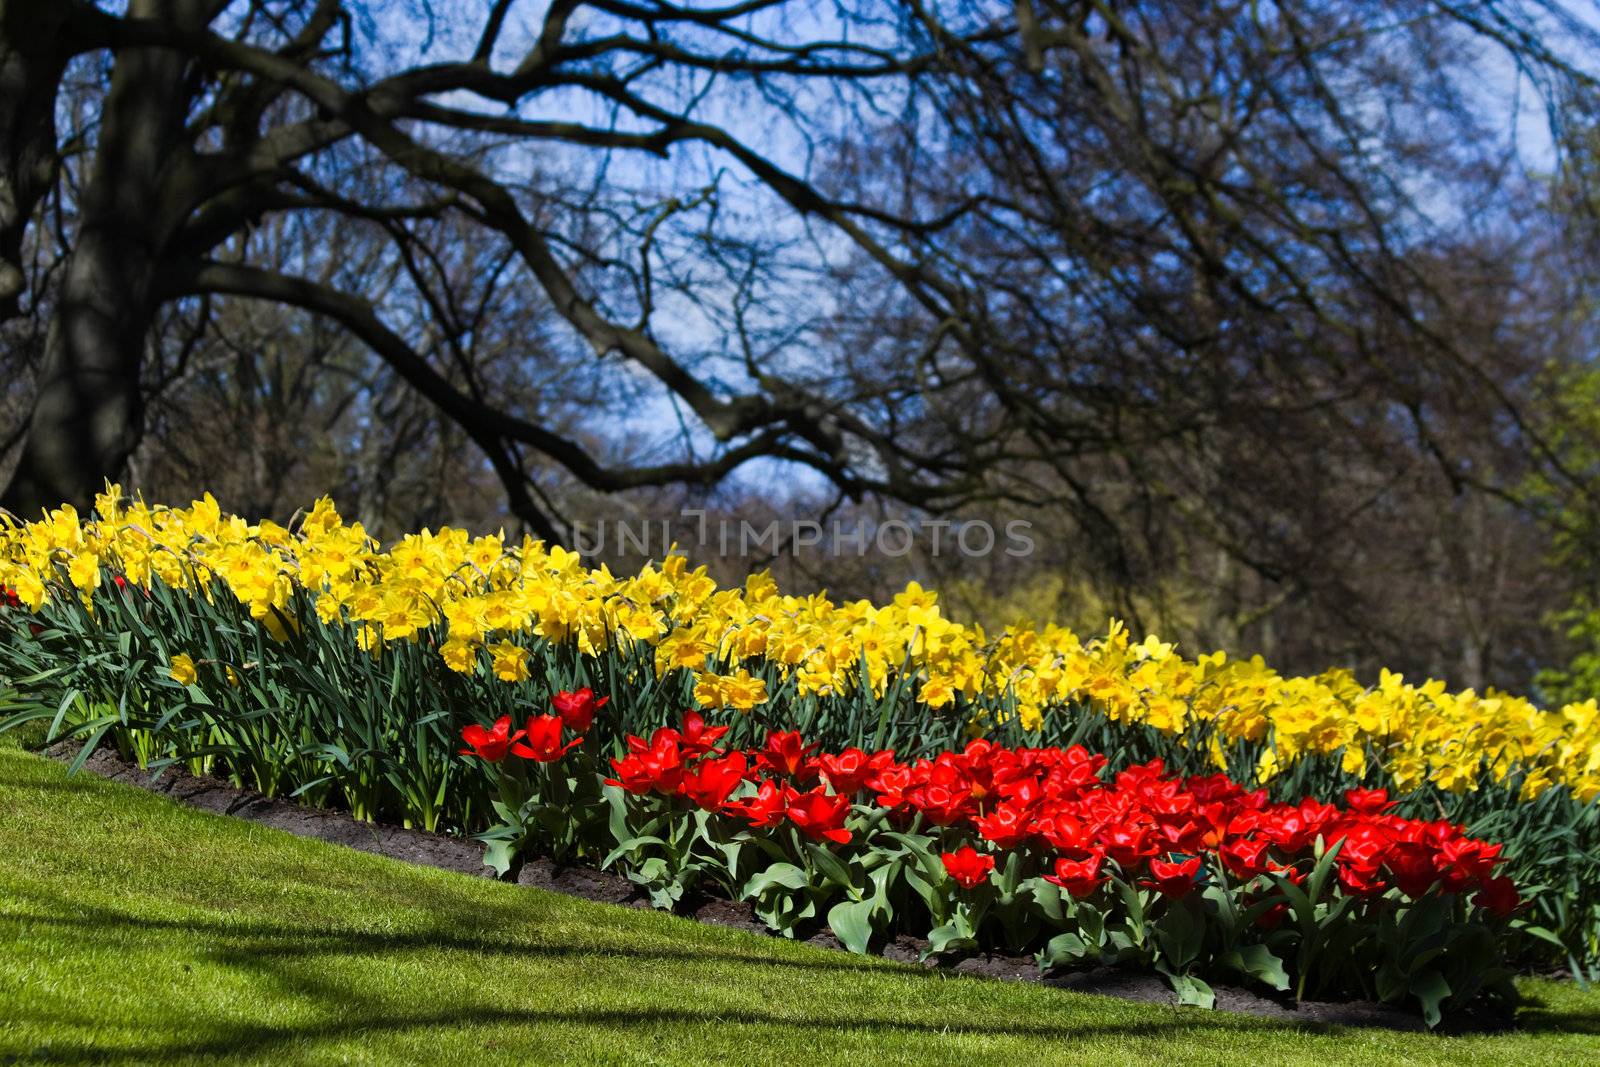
(1537, 1017)
(257, 1040)
(243, 943)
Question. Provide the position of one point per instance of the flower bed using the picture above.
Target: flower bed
(1029, 849)
(310, 663)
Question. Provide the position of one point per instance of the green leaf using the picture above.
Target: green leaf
(617, 812)
(89, 746)
(1179, 934)
(953, 936)
(1091, 924)
(1047, 898)
(1389, 983)
(1010, 875)
(67, 699)
(832, 869)
(630, 846)
(1135, 905)
(851, 922)
(652, 873)
(1063, 949)
(1539, 932)
(1431, 989)
(499, 853)
(784, 875)
(1192, 990)
(1259, 963)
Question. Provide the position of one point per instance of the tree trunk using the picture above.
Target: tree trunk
(33, 55)
(88, 413)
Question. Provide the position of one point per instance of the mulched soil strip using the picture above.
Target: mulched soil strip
(466, 857)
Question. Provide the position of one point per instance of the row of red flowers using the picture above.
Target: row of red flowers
(1169, 830)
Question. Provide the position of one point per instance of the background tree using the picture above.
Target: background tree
(1240, 297)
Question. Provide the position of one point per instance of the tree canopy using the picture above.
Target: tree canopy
(1230, 286)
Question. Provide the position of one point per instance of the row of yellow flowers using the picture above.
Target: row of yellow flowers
(485, 591)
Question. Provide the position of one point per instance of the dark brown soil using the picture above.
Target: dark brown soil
(466, 857)
(586, 882)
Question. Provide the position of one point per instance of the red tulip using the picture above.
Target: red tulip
(1184, 834)
(1012, 798)
(766, 809)
(1063, 832)
(968, 866)
(1075, 772)
(980, 764)
(1360, 881)
(849, 770)
(1079, 877)
(1368, 801)
(696, 737)
(577, 708)
(1008, 826)
(820, 816)
(1209, 788)
(491, 744)
(946, 797)
(1467, 860)
(891, 784)
(1498, 896)
(1412, 866)
(1141, 774)
(543, 734)
(709, 784)
(1244, 857)
(1129, 844)
(657, 767)
(1172, 879)
(785, 754)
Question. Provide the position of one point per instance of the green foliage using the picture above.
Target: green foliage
(1567, 501)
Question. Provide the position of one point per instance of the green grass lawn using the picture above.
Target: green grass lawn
(135, 930)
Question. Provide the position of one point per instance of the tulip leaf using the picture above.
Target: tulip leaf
(1192, 991)
(1180, 934)
(1431, 990)
(951, 937)
(498, 854)
(785, 875)
(1324, 869)
(832, 869)
(1010, 875)
(1389, 983)
(1259, 963)
(1063, 949)
(1047, 898)
(631, 845)
(851, 923)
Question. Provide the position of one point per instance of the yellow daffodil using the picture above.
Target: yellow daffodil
(510, 661)
(182, 669)
(461, 591)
